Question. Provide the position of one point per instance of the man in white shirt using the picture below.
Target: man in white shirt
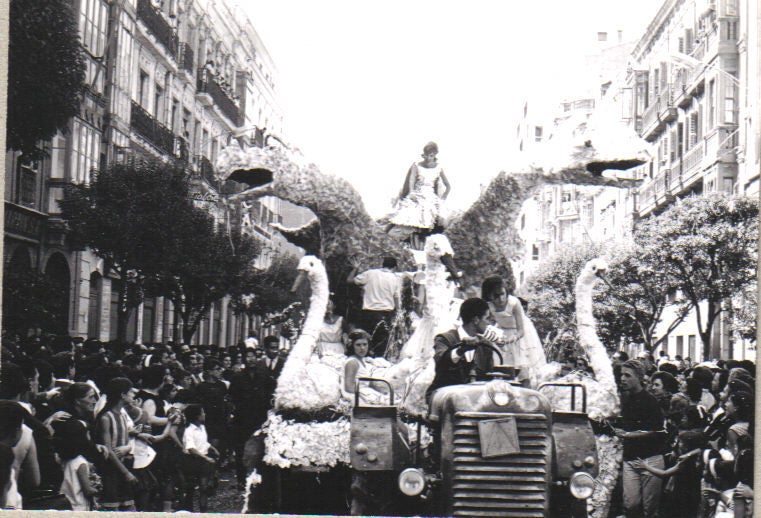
(380, 300)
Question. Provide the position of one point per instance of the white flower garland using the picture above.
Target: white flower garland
(609, 455)
(252, 480)
(289, 444)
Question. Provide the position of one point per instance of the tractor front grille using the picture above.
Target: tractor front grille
(509, 485)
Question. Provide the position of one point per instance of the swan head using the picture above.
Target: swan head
(437, 246)
(595, 268)
(308, 266)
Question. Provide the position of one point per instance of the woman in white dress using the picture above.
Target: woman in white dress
(421, 201)
(330, 339)
(517, 339)
(357, 366)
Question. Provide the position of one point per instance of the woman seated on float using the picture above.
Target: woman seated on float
(331, 337)
(359, 366)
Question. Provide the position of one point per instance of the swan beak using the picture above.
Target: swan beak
(448, 261)
(600, 274)
(300, 278)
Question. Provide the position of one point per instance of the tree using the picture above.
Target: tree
(708, 244)
(745, 311)
(263, 291)
(128, 215)
(46, 73)
(635, 299)
(201, 266)
(32, 300)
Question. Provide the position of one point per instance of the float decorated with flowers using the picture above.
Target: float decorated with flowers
(309, 426)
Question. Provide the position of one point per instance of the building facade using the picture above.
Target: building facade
(693, 79)
(690, 88)
(171, 80)
(564, 215)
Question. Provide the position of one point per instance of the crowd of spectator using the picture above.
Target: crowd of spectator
(131, 427)
(687, 435)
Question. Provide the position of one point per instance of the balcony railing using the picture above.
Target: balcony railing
(692, 160)
(185, 58)
(157, 25)
(663, 184)
(658, 114)
(152, 130)
(208, 84)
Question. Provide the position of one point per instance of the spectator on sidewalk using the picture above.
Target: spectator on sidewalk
(642, 431)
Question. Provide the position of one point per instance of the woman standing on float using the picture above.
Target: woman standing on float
(420, 209)
(517, 339)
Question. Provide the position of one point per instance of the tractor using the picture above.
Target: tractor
(496, 449)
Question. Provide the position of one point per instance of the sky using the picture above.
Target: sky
(364, 85)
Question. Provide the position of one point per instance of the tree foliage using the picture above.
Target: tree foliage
(127, 215)
(263, 291)
(635, 298)
(33, 300)
(141, 221)
(46, 73)
(708, 244)
(201, 266)
(745, 312)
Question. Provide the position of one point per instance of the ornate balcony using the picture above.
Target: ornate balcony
(185, 58)
(152, 130)
(663, 186)
(24, 221)
(158, 26)
(691, 164)
(659, 114)
(224, 101)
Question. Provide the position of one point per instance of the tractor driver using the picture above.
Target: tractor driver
(454, 367)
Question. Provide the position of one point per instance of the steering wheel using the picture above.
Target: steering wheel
(479, 344)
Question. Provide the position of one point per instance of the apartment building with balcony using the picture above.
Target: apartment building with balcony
(563, 215)
(690, 89)
(685, 82)
(690, 78)
(169, 80)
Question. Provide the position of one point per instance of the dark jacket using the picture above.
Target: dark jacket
(265, 380)
(450, 373)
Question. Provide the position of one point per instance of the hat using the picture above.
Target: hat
(251, 342)
(143, 454)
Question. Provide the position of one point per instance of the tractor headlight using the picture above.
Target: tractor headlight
(581, 485)
(499, 392)
(411, 481)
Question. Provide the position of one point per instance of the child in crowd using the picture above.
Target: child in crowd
(199, 461)
(682, 491)
(80, 484)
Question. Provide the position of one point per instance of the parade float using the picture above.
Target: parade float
(309, 427)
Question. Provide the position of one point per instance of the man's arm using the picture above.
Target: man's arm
(352, 278)
(440, 345)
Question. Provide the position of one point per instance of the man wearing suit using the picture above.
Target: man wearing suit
(243, 393)
(454, 367)
(265, 374)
